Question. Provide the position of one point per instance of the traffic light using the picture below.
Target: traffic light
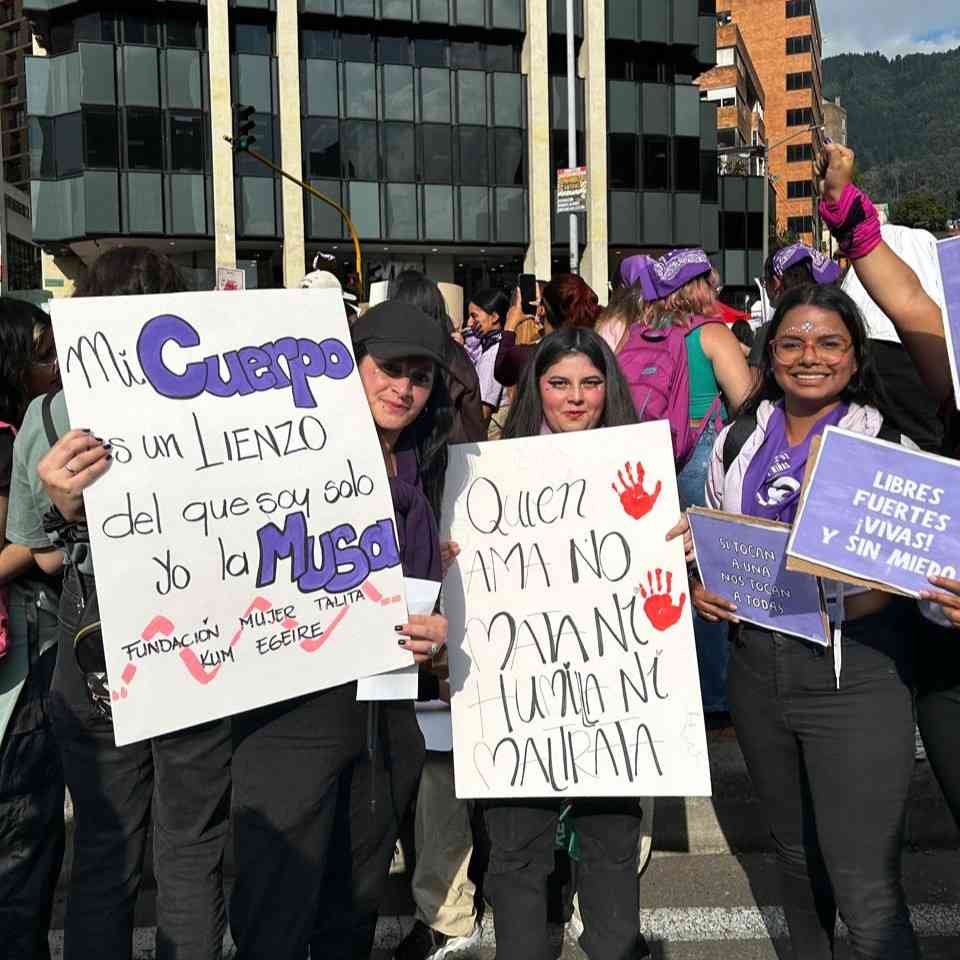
(245, 127)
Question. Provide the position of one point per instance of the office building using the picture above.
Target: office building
(785, 44)
(438, 124)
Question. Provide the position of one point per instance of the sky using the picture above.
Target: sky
(890, 26)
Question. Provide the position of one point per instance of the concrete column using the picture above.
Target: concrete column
(221, 125)
(535, 66)
(594, 265)
(291, 155)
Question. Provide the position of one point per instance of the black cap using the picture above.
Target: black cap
(393, 329)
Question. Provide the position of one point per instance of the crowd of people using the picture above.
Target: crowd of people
(315, 791)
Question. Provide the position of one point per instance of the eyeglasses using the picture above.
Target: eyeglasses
(830, 349)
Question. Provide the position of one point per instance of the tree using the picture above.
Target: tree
(921, 210)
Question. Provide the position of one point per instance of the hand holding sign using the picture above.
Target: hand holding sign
(72, 464)
(949, 602)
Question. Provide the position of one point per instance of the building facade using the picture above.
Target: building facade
(438, 124)
(15, 44)
(785, 44)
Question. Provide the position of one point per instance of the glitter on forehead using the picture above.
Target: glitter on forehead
(807, 326)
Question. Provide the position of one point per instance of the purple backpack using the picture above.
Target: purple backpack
(654, 361)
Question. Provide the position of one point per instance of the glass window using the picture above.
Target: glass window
(800, 117)
(755, 231)
(800, 81)
(507, 14)
(798, 8)
(656, 163)
(686, 154)
(733, 230)
(256, 38)
(438, 212)
(436, 153)
(624, 161)
(623, 105)
(364, 207)
(397, 92)
(709, 180)
(321, 142)
(395, 9)
(508, 157)
(799, 44)
(394, 50)
(430, 52)
(42, 161)
(258, 207)
(474, 214)
(322, 98)
(471, 96)
(184, 84)
(186, 142)
(360, 92)
(318, 44)
(508, 100)
(356, 46)
(324, 221)
(144, 202)
(727, 137)
(182, 32)
(401, 204)
(500, 56)
(435, 95)
(100, 138)
(472, 166)
(798, 152)
(467, 56)
(358, 150)
(398, 151)
(511, 215)
(357, 8)
(435, 11)
(140, 28)
(68, 144)
(796, 189)
(141, 79)
(144, 140)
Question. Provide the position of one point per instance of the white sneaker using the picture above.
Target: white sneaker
(459, 944)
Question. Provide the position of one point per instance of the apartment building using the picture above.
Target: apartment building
(785, 44)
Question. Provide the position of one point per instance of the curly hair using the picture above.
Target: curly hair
(569, 301)
(25, 336)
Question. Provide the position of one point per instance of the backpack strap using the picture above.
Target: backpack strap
(889, 432)
(738, 434)
(48, 424)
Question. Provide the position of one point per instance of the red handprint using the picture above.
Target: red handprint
(658, 605)
(635, 500)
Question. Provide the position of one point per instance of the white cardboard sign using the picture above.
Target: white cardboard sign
(573, 668)
(244, 538)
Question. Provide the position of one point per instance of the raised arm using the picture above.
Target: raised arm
(891, 283)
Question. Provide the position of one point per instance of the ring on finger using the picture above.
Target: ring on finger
(69, 469)
(434, 650)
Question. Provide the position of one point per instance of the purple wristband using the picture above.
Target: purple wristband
(853, 221)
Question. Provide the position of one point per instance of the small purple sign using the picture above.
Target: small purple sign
(876, 511)
(948, 252)
(744, 561)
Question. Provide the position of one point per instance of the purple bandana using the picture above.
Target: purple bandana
(632, 269)
(824, 269)
(771, 485)
(672, 271)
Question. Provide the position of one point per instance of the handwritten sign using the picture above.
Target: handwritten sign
(244, 538)
(572, 663)
(876, 512)
(743, 560)
(948, 254)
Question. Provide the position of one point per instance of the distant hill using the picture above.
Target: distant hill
(904, 121)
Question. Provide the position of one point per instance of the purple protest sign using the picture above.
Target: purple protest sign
(877, 512)
(948, 253)
(744, 560)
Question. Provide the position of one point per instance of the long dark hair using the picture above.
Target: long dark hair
(526, 412)
(127, 271)
(568, 300)
(428, 436)
(23, 328)
(865, 387)
(413, 287)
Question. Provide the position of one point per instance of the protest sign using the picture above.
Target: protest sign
(231, 278)
(244, 538)
(948, 254)
(572, 190)
(573, 670)
(877, 513)
(743, 560)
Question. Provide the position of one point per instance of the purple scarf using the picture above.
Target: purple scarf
(416, 526)
(771, 485)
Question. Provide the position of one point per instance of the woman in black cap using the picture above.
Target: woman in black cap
(319, 787)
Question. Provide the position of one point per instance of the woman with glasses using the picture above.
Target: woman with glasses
(828, 741)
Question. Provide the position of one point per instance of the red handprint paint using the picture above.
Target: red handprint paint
(658, 605)
(636, 502)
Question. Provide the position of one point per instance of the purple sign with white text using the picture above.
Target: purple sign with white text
(744, 561)
(879, 512)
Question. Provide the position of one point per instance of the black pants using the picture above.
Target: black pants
(315, 822)
(183, 779)
(832, 768)
(522, 857)
(31, 820)
(937, 674)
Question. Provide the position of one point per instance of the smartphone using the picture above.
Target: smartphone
(527, 282)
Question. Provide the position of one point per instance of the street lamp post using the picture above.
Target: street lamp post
(572, 132)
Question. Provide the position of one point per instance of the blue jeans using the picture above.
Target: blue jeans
(712, 648)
